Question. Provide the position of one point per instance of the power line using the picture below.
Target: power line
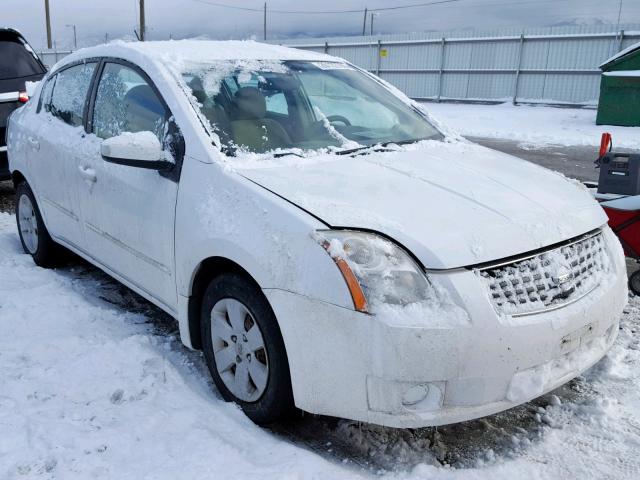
(402, 7)
(233, 7)
(323, 12)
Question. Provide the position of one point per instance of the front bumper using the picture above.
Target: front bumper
(380, 370)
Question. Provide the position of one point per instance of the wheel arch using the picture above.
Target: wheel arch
(206, 271)
(17, 178)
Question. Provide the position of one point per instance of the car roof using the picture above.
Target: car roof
(198, 51)
(11, 30)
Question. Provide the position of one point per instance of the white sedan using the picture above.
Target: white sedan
(324, 242)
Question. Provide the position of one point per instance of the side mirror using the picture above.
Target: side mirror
(140, 150)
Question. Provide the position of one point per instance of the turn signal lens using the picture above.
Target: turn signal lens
(359, 300)
(23, 97)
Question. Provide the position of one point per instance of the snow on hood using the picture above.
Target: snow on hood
(452, 204)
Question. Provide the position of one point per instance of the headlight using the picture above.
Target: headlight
(375, 269)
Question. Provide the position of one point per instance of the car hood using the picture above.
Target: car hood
(452, 204)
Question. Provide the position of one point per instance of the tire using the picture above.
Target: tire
(634, 282)
(258, 380)
(34, 236)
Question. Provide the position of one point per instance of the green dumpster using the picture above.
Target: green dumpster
(620, 89)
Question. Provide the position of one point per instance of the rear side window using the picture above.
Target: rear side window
(45, 95)
(125, 102)
(70, 93)
(16, 59)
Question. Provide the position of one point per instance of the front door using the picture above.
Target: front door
(129, 213)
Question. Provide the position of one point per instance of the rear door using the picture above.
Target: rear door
(57, 147)
(129, 213)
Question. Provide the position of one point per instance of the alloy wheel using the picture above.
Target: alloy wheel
(239, 350)
(28, 223)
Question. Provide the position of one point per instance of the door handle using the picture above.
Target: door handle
(88, 173)
(34, 143)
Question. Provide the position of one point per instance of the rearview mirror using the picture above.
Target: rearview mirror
(140, 150)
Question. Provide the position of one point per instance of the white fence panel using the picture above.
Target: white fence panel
(539, 65)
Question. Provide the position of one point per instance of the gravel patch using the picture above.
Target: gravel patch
(7, 201)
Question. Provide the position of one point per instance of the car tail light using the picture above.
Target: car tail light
(23, 97)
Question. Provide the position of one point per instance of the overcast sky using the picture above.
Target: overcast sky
(186, 18)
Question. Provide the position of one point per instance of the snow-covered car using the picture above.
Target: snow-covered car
(324, 242)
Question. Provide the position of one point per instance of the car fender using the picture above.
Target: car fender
(221, 214)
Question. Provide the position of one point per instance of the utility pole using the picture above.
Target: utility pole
(142, 22)
(373, 14)
(48, 19)
(619, 14)
(364, 23)
(264, 26)
(75, 37)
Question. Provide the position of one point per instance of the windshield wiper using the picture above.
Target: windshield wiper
(284, 154)
(378, 147)
(402, 142)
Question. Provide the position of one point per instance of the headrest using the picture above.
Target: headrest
(249, 104)
(143, 110)
(198, 89)
(143, 96)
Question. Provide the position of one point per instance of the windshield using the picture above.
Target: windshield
(268, 106)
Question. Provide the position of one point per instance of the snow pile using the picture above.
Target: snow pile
(31, 87)
(534, 381)
(91, 391)
(532, 124)
(95, 384)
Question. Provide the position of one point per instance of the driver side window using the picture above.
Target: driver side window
(125, 102)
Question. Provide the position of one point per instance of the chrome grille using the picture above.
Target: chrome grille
(547, 280)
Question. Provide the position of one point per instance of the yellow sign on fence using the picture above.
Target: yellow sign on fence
(384, 52)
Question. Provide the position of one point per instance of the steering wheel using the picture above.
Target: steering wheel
(339, 118)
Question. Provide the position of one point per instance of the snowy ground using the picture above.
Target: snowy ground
(532, 125)
(94, 383)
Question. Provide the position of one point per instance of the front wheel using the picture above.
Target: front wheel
(34, 236)
(244, 349)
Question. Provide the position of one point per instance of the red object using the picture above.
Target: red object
(605, 144)
(626, 225)
(23, 97)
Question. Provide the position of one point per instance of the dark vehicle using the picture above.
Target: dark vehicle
(18, 64)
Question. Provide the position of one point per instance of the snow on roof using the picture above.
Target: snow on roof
(201, 51)
(621, 53)
(623, 73)
(10, 30)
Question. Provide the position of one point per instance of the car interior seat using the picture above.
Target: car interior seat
(249, 125)
(213, 112)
